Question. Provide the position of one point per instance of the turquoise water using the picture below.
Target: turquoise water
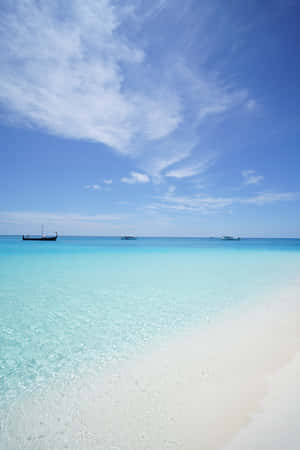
(77, 304)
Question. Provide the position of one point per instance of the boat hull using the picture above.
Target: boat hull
(230, 238)
(52, 238)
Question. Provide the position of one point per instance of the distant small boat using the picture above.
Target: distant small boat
(43, 237)
(230, 238)
(128, 238)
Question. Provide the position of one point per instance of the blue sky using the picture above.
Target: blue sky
(150, 118)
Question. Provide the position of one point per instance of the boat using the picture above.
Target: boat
(230, 238)
(43, 237)
(128, 238)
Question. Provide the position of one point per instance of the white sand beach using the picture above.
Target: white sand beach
(232, 385)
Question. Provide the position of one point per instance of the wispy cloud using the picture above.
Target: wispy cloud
(264, 198)
(34, 217)
(171, 189)
(205, 204)
(211, 96)
(195, 203)
(250, 177)
(204, 98)
(251, 105)
(136, 177)
(86, 77)
(166, 152)
(107, 181)
(190, 170)
(92, 187)
(70, 80)
(64, 223)
(29, 222)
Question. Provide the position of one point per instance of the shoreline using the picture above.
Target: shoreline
(206, 388)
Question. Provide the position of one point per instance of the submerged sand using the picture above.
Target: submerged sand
(230, 385)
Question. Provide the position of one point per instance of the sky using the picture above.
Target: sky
(161, 118)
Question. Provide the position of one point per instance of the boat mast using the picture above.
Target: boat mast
(42, 230)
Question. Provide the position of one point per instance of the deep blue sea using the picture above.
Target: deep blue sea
(80, 302)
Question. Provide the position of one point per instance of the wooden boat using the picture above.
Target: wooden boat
(43, 237)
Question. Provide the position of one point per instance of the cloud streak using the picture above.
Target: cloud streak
(65, 223)
(85, 78)
(34, 218)
(207, 204)
(190, 170)
(92, 187)
(250, 177)
(70, 81)
(136, 177)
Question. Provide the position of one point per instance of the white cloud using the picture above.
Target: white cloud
(70, 80)
(208, 95)
(190, 170)
(250, 177)
(93, 187)
(107, 181)
(271, 197)
(192, 203)
(136, 177)
(65, 223)
(40, 217)
(75, 80)
(171, 189)
(203, 99)
(160, 155)
(183, 172)
(205, 204)
(251, 105)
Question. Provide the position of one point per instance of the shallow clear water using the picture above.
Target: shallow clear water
(77, 303)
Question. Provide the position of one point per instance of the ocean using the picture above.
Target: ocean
(100, 335)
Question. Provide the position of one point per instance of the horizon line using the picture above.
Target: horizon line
(158, 236)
